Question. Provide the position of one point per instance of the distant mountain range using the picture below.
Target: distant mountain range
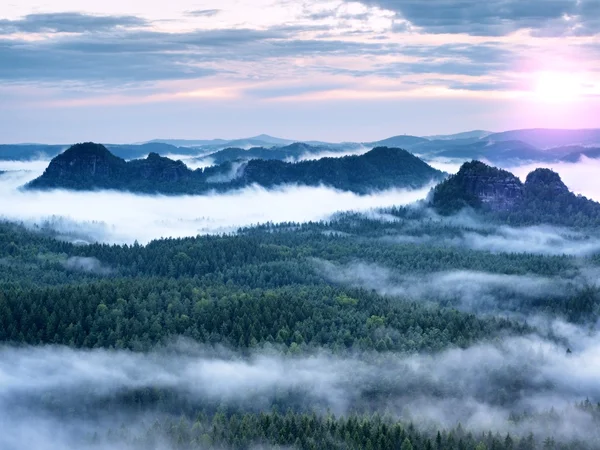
(545, 139)
(543, 198)
(545, 145)
(475, 134)
(262, 140)
(92, 166)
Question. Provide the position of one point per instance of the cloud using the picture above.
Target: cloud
(203, 12)
(498, 17)
(468, 230)
(117, 55)
(68, 22)
(350, 151)
(87, 265)
(535, 240)
(469, 290)
(144, 218)
(128, 56)
(479, 386)
(235, 171)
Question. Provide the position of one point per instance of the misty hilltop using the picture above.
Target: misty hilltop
(543, 198)
(90, 166)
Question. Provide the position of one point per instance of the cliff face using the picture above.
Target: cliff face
(159, 168)
(85, 160)
(497, 190)
(91, 165)
(546, 181)
(543, 198)
(478, 185)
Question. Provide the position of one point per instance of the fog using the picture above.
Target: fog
(198, 161)
(536, 240)
(119, 217)
(479, 386)
(541, 240)
(473, 291)
(236, 171)
(467, 229)
(448, 165)
(360, 150)
(87, 265)
(38, 166)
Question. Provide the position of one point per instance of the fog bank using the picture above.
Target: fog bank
(118, 217)
(473, 291)
(479, 386)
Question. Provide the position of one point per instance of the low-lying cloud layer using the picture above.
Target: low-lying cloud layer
(123, 217)
(536, 240)
(86, 265)
(478, 387)
(480, 292)
(473, 234)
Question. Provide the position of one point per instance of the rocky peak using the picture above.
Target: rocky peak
(497, 189)
(547, 180)
(86, 159)
(389, 154)
(160, 168)
(478, 185)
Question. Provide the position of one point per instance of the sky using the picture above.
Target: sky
(333, 70)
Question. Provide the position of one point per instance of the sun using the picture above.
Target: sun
(557, 87)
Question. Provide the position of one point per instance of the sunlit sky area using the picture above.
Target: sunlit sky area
(133, 70)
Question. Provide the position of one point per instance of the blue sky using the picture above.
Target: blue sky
(132, 70)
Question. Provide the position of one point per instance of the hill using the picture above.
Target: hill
(475, 134)
(496, 152)
(135, 151)
(543, 198)
(403, 141)
(550, 138)
(293, 151)
(575, 153)
(262, 140)
(91, 166)
(28, 152)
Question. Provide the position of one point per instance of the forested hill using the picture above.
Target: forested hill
(289, 152)
(91, 166)
(543, 198)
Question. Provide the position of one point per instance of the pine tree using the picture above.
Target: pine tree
(406, 445)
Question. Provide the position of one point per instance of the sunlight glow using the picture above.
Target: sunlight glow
(557, 87)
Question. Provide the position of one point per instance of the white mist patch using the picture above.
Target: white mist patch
(197, 161)
(469, 290)
(472, 291)
(331, 154)
(536, 240)
(474, 233)
(448, 165)
(119, 217)
(37, 166)
(479, 386)
(86, 265)
(236, 171)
